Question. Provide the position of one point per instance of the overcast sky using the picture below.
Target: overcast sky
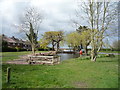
(57, 15)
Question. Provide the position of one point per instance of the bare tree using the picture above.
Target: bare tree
(31, 21)
(100, 16)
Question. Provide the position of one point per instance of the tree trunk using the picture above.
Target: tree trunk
(86, 51)
(33, 49)
(69, 48)
(81, 46)
(53, 46)
(93, 55)
(73, 49)
(58, 46)
(93, 58)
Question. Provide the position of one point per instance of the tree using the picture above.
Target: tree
(84, 32)
(73, 40)
(30, 25)
(100, 15)
(82, 28)
(32, 37)
(54, 38)
(85, 38)
(43, 43)
(59, 37)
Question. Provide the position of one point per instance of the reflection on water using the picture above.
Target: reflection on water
(65, 56)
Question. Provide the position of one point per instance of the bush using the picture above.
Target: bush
(112, 49)
(17, 48)
(109, 55)
(8, 49)
(107, 49)
(22, 49)
(40, 49)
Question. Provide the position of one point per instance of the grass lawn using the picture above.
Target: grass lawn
(14, 55)
(72, 73)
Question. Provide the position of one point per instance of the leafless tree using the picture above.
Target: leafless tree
(30, 22)
(100, 17)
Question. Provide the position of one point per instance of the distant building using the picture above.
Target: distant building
(15, 42)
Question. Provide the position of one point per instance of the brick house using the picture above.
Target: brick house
(15, 42)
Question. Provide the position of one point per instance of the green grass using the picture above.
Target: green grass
(72, 73)
(6, 56)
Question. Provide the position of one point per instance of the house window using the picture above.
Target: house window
(13, 43)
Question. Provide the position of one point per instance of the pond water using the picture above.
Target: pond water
(66, 56)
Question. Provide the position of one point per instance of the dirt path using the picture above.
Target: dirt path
(17, 61)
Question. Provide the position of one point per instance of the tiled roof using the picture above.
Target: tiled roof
(7, 39)
(14, 40)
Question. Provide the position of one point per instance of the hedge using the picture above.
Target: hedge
(8, 49)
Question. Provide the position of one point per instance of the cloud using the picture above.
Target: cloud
(56, 14)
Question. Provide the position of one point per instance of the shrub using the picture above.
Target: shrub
(17, 48)
(106, 49)
(8, 49)
(109, 55)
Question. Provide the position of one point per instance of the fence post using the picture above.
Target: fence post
(8, 75)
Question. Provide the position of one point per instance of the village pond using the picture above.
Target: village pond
(66, 56)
